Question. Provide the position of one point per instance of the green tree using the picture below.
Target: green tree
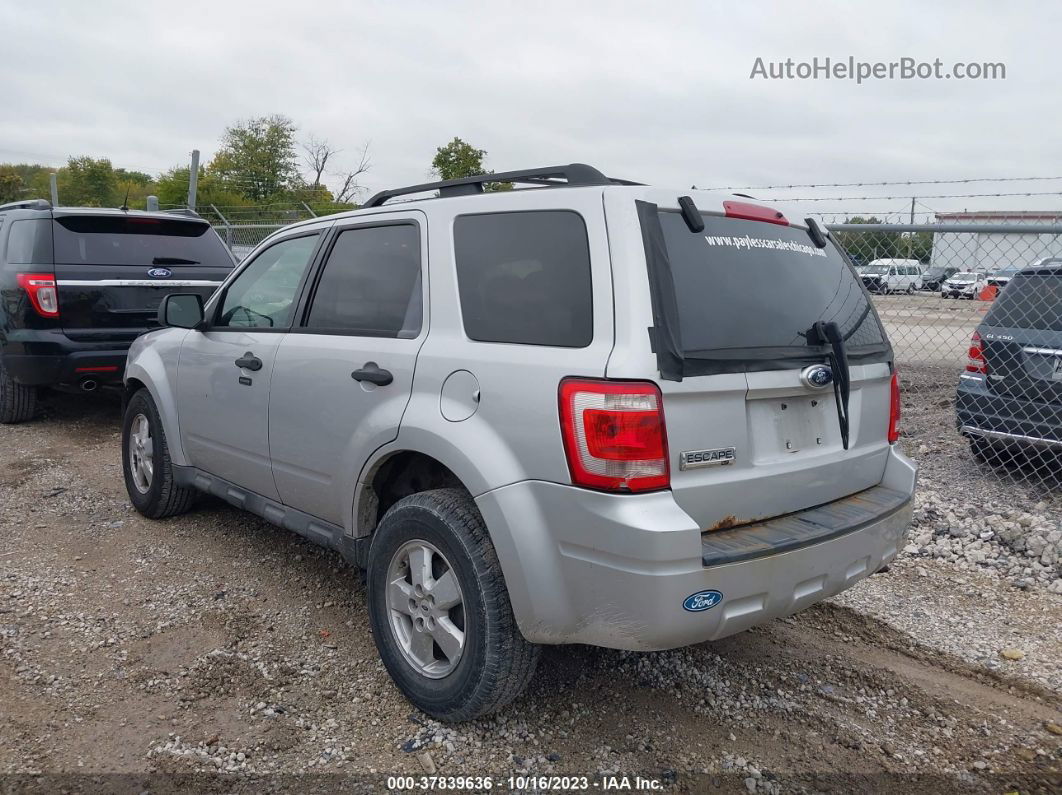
(460, 159)
(87, 182)
(172, 189)
(872, 244)
(11, 185)
(258, 158)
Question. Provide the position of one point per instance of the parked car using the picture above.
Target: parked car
(892, 275)
(77, 285)
(1010, 396)
(1002, 277)
(510, 455)
(933, 278)
(964, 284)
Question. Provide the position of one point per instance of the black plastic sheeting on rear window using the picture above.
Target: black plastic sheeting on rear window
(743, 295)
(135, 240)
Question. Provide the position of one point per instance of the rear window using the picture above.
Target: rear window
(1029, 301)
(135, 240)
(748, 293)
(524, 277)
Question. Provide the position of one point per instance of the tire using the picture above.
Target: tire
(154, 494)
(494, 663)
(18, 402)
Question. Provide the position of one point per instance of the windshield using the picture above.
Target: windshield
(964, 277)
(748, 293)
(876, 270)
(136, 240)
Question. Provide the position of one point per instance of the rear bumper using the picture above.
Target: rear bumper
(50, 358)
(619, 570)
(1006, 420)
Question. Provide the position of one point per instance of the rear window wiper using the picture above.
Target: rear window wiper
(824, 332)
(174, 261)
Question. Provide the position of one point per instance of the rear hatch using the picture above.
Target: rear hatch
(749, 435)
(1021, 340)
(113, 270)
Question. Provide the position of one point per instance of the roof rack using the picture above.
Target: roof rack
(571, 175)
(27, 204)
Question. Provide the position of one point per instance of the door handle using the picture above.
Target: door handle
(372, 373)
(249, 362)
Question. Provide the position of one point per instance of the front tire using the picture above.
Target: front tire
(439, 610)
(146, 462)
(18, 402)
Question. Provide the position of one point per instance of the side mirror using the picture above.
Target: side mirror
(181, 310)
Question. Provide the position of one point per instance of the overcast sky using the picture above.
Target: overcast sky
(656, 92)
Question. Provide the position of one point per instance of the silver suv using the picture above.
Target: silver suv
(586, 411)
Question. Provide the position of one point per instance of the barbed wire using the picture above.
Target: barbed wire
(892, 198)
(889, 183)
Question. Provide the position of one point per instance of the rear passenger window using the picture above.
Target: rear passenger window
(371, 284)
(524, 277)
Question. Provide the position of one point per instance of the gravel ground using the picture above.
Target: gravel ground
(148, 655)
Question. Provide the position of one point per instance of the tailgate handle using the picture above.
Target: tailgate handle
(249, 362)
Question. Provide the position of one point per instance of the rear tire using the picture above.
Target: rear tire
(434, 543)
(18, 402)
(146, 462)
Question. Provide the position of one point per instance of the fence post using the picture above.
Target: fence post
(152, 204)
(53, 181)
(228, 226)
(311, 212)
(193, 179)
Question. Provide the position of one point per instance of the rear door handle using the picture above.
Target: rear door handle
(249, 362)
(372, 373)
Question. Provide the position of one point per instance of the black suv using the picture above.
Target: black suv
(936, 276)
(78, 285)
(1010, 397)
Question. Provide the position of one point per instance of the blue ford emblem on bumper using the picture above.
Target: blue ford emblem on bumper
(160, 273)
(702, 600)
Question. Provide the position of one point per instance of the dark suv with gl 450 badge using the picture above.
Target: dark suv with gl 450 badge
(78, 285)
(1009, 401)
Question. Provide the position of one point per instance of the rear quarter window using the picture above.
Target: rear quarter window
(524, 277)
(29, 241)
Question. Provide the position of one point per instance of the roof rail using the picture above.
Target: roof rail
(27, 204)
(573, 174)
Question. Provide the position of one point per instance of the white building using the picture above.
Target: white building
(991, 251)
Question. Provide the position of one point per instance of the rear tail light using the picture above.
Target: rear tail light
(894, 409)
(976, 363)
(614, 434)
(41, 290)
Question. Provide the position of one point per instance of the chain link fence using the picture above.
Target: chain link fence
(972, 304)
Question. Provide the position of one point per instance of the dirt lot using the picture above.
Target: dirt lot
(138, 655)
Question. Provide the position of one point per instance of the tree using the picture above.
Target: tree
(11, 185)
(258, 158)
(872, 244)
(87, 182)
(351, 187)
(460, 159)
(317, 153)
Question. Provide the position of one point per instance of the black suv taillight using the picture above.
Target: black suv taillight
(42, 292)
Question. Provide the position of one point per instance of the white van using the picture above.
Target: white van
(893, 275)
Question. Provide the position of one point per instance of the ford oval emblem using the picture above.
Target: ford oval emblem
(160, 273)
(817, 376)
(702, 600)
